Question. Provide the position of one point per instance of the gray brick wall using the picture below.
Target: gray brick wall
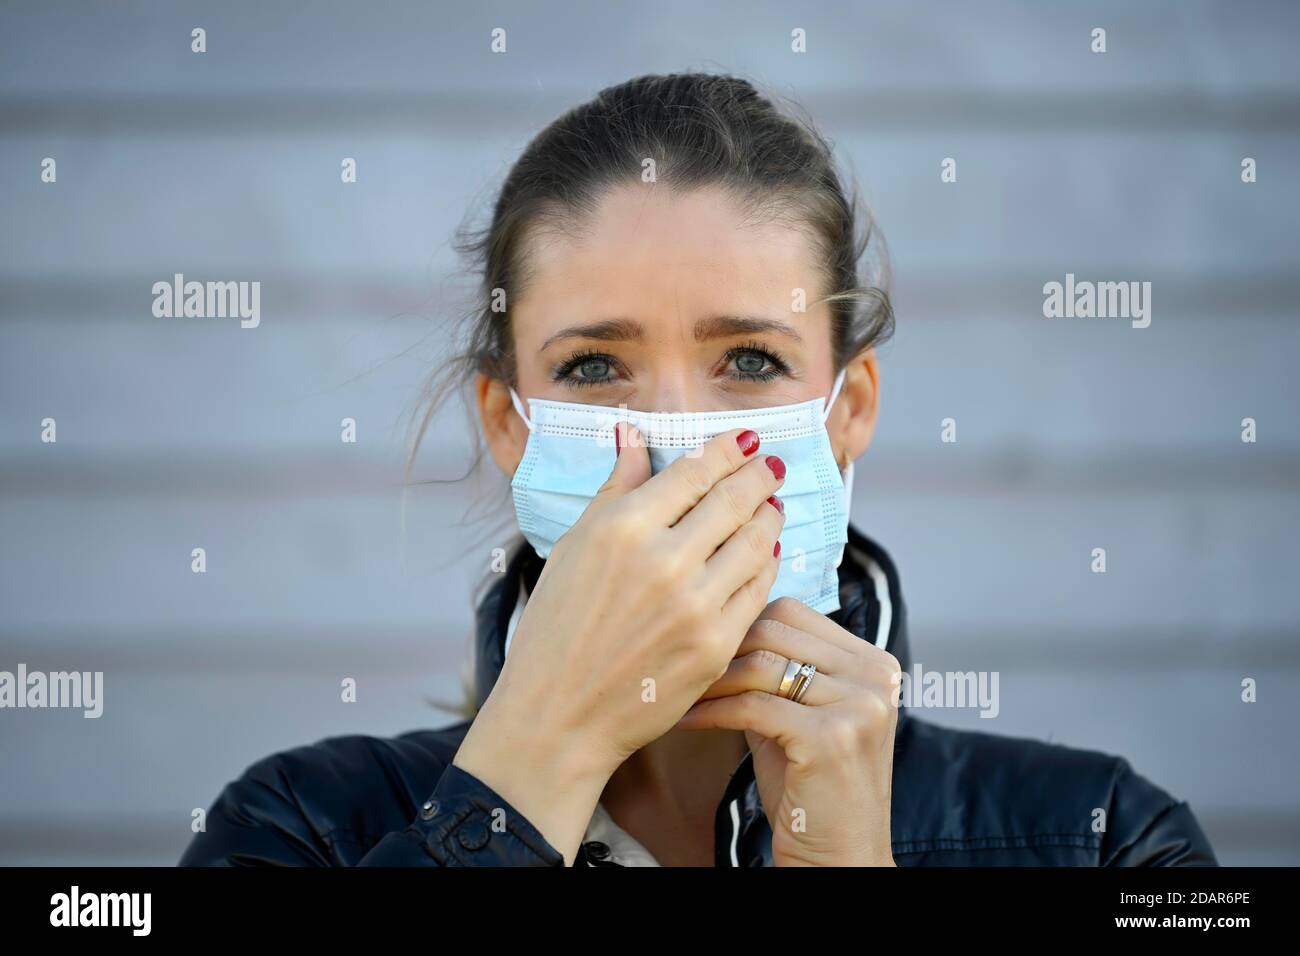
(175, 434)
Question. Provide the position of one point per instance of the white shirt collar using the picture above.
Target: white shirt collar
(624, 849)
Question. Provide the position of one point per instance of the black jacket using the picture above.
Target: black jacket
(960, 797)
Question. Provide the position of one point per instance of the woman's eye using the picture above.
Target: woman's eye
(592, 369)
(596, 368)
(755, 365)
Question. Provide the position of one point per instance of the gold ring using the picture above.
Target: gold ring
(806, 674)
(787, 682)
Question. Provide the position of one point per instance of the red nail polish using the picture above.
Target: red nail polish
(775, 502)
(776, 552)
(618, 445)
(777, 466)
(748, 441)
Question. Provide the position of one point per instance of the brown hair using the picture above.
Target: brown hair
(701, 130)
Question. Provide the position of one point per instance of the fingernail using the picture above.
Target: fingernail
(748, 442)
(775, 502)
(777, 466)
(618, 445)
(776, 552)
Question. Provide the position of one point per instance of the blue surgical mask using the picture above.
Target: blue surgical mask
(570, 454)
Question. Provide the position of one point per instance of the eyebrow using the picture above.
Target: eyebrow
(715, 327)
(721, 326)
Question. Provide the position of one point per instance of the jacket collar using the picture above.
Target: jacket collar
(871, 607)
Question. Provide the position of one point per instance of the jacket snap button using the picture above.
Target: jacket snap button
(597, 850)
(429, 810)
(473, 835)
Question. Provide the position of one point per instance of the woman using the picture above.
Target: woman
(657, 684)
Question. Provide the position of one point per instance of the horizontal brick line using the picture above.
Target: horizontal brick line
(449, 115)
(434, 652)
(441, 295)
(969, 467)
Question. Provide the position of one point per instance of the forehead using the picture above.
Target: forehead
(648, 250)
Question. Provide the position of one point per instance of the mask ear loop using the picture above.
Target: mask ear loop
(519, 407)
(847, 473)
(835, 393)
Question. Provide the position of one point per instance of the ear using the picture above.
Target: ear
(853, 418)
(505, 432)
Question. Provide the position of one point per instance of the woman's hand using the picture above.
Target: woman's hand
(639, 609)
(824, 765)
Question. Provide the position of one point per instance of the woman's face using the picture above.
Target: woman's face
(665, 301)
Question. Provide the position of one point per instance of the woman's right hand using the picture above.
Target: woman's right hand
(639, 609)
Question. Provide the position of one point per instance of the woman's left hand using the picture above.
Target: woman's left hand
(824, 765)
